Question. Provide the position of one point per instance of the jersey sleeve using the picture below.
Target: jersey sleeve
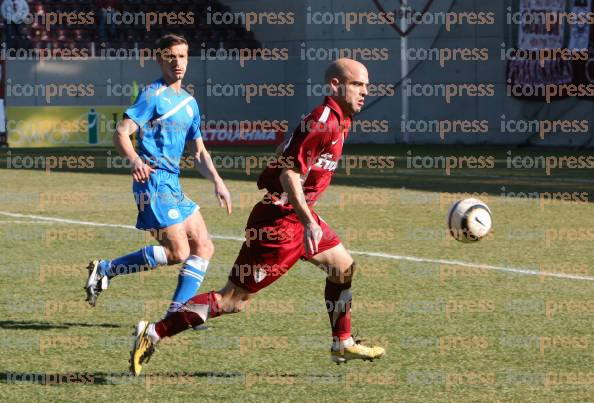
(143, 109)
(305, 146)
(194, 131)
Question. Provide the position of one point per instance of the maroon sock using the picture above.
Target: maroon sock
(192, 313)
(338, 303)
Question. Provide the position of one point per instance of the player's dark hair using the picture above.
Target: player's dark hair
(168, 40)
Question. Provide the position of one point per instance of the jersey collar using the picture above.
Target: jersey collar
(332, 104)
(164, 87)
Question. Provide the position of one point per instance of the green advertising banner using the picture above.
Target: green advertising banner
(61, 126)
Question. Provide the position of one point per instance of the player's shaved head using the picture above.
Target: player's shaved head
(347, 80)
(342, 68)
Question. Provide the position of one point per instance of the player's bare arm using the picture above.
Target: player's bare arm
(291, 181)
(122, 142)
(207, 169)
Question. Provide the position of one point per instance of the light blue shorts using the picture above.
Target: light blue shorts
(161, 201)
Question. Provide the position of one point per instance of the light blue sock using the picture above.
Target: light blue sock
(148, 257)
(188, 281)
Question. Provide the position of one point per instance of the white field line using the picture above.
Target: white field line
(24, 222)
(526, 272)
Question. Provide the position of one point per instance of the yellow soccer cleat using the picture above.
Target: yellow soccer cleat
(142, 349)
(357, 352)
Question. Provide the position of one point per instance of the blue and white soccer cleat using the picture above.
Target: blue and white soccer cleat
(95, 282)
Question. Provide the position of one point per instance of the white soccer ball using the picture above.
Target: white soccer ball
(469, 220)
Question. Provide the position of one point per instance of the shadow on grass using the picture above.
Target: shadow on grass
(125, 378)
(36, 325)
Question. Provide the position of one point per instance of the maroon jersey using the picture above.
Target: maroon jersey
(314, 149)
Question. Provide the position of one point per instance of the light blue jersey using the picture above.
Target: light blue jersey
(167, 120)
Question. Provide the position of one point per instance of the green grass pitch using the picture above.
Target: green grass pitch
(452, 333)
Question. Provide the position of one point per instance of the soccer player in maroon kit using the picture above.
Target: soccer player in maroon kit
(283, 227)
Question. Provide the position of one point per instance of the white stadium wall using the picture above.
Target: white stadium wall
(106, 76)
(494, 108)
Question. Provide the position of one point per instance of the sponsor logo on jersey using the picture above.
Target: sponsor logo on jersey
(326, 161)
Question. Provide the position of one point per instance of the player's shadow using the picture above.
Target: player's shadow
(113, 378)
(122, 378)
(37, 325)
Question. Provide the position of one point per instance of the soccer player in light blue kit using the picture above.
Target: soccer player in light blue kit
(168, 117)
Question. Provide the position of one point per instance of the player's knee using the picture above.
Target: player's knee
(233, 304)
(351, 270)
(203, 248)
(178, 255)
(206, 249)
(347, 275)
(233, 298)
(344, 275)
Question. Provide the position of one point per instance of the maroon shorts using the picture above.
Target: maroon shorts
(274, 243)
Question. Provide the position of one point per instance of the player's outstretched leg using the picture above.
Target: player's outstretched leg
(192, 314)
(100, 272)
(185, 242)
(340, 268)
